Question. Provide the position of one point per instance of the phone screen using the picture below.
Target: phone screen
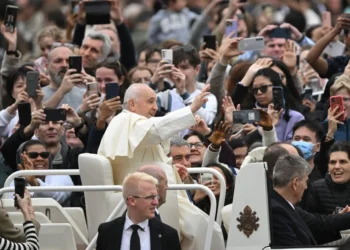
(97, 12)
(112, 90)
(210, 42)
(278, 98)
(75, 62)
(32, 83)
(20, 184)
(10, 18)
(280, 33)
(24, 114)
(55, 114)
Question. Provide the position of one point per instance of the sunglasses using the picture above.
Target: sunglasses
(34, 155)
(263, 89)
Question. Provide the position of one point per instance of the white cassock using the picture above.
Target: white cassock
(131, 141)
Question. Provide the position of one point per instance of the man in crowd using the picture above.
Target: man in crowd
(190, 239)
(138, 229)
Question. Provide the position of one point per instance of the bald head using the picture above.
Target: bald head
(158, 173)
(141, 99)
(61, 51)
(58, 63)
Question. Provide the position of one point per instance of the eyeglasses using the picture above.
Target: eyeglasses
(149, 198)
(197, 145)
(34, 155)
(263, 89)
(346, 99)
(67, 45)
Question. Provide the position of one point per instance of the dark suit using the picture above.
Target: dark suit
(163, 237)
(288, 229)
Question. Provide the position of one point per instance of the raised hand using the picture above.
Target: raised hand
(200, 99)
(296, 34)
(249, 128)
(201, 126)
(228, 107)
(69, 80)
(116, 12)
(265, 120)
(310, 104)
(259, 64)
(289, 56)
(11, 38)
(182, 171)
(179, 79)
(108, 107)
(265, 31)
(219, 134)
(38, 117)
(229, 49)
(72, 116)
(333, 121)
(274, 114)
(163, 70)
(90, 102)
(28, 165)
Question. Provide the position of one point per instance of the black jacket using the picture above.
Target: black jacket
(288, 229)
(163, 237)
(324, 196)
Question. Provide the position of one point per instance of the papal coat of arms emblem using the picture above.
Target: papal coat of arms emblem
(248, 221)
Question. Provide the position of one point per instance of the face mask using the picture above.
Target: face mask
(305, 147)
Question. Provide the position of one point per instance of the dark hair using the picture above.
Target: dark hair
(289, 79)
(275, 79)
(150, 51)
(312, 125)
(297, 19)
(237, 73)
(237, 143)
(15, 75)
(120, 71)
(340, 146)
(229, 181)
(184, 53)
(271, 156)
(32, 143)
(57, 17)
(168, 44)
(309, 30)
(201, 137)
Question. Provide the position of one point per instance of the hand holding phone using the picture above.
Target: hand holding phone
(167, 55)
(337, 102)
(112, 90)
(206, 178)
(326, 19)
(280, 33)
(20, 184)
(10, 18)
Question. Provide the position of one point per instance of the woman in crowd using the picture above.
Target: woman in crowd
(12, 238)
(140, 75)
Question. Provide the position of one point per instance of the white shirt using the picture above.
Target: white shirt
(145, 237)
(291, 204)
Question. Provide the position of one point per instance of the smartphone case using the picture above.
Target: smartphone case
(24, 114)
(337, 101)
(75, 62)
(55, 114)
(278, 98)
(97, 12)
(112, 90)
(32, 83)
(253, 43)
(231, 26)
(167, 55)
(210, 42)
(10, 18)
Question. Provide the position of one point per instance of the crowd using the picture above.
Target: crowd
(177, 103)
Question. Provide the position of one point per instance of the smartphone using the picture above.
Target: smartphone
(75, 62)
(112, 90)
(308, 94)
(20, 184)
(74, 6)
(97, 12)
(280, 33)
(92, 88)
(24, 114)
(55, 115)
(210, 42)
(246, 116)
(32, 83)
(337, 101)
(326, 19)
(167, 55)
(206, 177)
(231, 26)
(278, 98)
(10, 18)
(253, 43)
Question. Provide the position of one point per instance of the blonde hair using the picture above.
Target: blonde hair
(131, 183)
(342, 82)
(51, 31)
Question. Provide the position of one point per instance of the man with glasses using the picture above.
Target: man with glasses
(64, 83)
(138, 229)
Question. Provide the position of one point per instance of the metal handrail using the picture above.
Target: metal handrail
(222, 195)
(39, 172)
(210, 228)
(77, 172)
(211, 195)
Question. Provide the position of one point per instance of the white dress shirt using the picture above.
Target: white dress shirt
(145, 237)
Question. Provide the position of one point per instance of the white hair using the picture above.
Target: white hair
(133, 92)
(131, 183)
(107, 43)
